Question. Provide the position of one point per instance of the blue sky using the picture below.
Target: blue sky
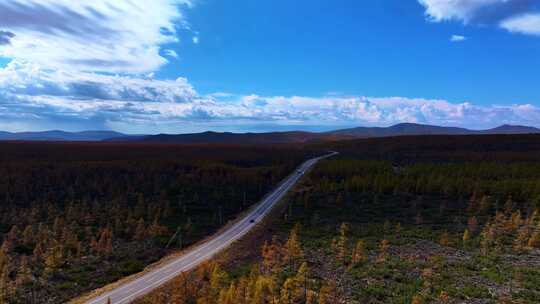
(372, 48)
(185, 66)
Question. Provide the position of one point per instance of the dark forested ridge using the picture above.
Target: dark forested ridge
(75, 216)
(403, 129)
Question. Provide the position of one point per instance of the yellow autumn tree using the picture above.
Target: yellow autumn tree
(445, 239)
(293, 251)
(328, 294)
(272, 256)
(534, 240)
(302, 280)
(521, 240)
(383, 251)
(359, 254)
(343, 240)
(265, 291)
(287, 291)
(466, 237)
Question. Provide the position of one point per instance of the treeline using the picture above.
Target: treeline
(460, 181)
(442, 148)
(74, 223)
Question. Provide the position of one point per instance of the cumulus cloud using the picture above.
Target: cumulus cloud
(101, 35)
(458, 38)
(5, 37)
(30, 95)
(524, 24)
(464, 10)
(512, 15)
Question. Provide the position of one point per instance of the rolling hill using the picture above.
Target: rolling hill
(403, 129)
(57, 135)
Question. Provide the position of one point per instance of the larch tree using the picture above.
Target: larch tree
(293, 250)
(445, 239)
(328, 294)
(534, 240)
(383, 251)
(342, 244)
(359, 254)
(466, 238)
(302, 280)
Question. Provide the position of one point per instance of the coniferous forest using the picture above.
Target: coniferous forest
(399, 220)
(422, 219)
(76, 216)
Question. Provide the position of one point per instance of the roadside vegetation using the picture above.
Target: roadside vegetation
(74, 217)
(392, 225)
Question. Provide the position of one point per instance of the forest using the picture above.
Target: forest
(453, 219)
(76, 216)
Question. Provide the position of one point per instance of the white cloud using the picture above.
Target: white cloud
(457, 38)
(516, 16)
(31, 96)
(464, 10)
(196, 40)
(106, 36)
(171, 53)
(525, 24)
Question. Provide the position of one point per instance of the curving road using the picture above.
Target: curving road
(155, 278)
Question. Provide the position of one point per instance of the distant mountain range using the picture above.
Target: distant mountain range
(56, 135)
(236, 138)
(403, 129)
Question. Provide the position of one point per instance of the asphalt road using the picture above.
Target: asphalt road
(191, 259)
